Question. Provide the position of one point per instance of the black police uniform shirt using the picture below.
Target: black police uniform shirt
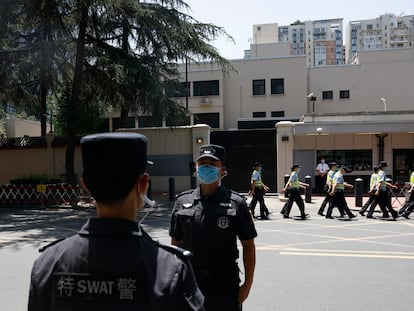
(109, 265)
(209, 227)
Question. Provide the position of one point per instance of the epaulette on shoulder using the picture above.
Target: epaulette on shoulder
(236, 196)
(42, 249)
(184, 193)
(180, 252)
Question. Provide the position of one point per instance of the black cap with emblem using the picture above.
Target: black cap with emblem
(112, 162)
(215, 152)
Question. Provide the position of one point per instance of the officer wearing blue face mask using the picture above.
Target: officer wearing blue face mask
(207, 221)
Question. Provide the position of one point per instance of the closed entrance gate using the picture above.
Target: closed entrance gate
(243, 148)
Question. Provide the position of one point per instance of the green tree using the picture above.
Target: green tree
(103, 53)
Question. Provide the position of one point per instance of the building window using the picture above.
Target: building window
(278, 114)
(327, 94)
(259, 114)
(206, 88)
(277, 86)
(357, 160)
(344, 94)
(259, 87)
(178, 90)
(211, 119)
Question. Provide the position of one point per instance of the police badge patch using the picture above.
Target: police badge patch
(223, 222)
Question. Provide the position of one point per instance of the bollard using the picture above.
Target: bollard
(358, 191)
(308, 190)
(171, 192)
(149, 191)
(193, 182)
(286, 180)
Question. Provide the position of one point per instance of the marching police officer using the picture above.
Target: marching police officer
(293, 184)
(258, 190)
(207, 221)
(382, 193)
(408, 207)
(371, 203)
(328, 187)
(111, 263)
(337, 193)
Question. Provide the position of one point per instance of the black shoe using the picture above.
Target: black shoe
(329, 217)
(369, 216)
(286, 216)
(405, 216)
(385, 216)
(304, 216)
(352, 216)
(320, 213)
(395, 216)
(361, 213)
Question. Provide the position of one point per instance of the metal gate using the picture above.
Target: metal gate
(243, 148)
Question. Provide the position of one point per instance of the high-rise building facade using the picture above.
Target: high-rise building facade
(385, 32)
(320, 41)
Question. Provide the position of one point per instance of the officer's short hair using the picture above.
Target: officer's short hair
(112, 164)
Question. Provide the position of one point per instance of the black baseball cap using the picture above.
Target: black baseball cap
(215, 152)
(295, 166)
(345, 168)
(257, 164)
(383, 164)
(333, 164)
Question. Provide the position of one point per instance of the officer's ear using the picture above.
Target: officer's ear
(142, 184)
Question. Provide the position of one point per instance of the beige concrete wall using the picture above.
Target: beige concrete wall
(20, 128)
(51, 161)
(236, 99)
(388, 74)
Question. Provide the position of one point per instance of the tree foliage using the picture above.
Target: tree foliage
(87, 56)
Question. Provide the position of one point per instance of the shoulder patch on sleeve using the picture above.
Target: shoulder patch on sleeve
(180, 252)
(42, 249)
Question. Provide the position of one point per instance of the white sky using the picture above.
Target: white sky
(238, 16)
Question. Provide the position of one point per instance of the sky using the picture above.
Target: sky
(237, 17)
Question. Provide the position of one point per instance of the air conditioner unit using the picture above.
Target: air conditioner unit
(205, 100)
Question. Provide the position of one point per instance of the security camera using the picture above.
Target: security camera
(309, 95)
(383, 99)
(319, 129)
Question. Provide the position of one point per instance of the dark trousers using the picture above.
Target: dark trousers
(407, 205)
(339, 201)
(259, 197)
(327, 200)
(370, 204)
(385, 204)
(320, 184)
(294, 196)
(220, 287)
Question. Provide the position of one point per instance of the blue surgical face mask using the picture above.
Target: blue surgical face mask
(208, 174)
(260, 169)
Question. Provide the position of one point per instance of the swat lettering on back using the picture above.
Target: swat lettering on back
(85, 287)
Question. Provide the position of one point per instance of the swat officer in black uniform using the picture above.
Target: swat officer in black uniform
(207, 221)
(111, 263)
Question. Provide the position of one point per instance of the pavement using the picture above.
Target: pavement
(312, 265)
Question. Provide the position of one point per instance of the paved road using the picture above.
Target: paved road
(317, 264)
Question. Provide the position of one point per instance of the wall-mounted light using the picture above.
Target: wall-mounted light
(199, 140)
